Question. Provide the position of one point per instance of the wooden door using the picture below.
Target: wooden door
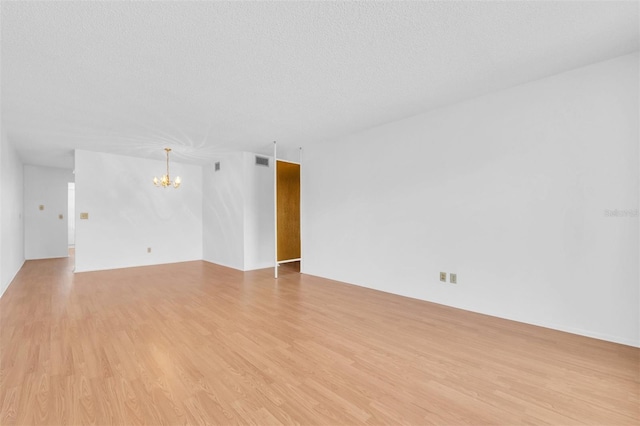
(288, 208)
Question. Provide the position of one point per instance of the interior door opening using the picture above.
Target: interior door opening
(71, 217)
(288, 205)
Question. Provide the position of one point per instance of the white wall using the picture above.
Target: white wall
(11, 217)
(45, 233)
(3, 287)
(238, 213)
(223, 212)
(508, 190)
(259, 238)
(128, 214)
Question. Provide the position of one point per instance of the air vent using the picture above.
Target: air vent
(262, 161)
(217, 166)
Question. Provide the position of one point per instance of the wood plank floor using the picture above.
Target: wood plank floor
(195, 343)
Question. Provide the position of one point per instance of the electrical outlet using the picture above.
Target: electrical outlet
(453, 278)
(148, 249)
(443, 277)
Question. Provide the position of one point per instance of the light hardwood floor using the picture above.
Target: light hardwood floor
(196, 343)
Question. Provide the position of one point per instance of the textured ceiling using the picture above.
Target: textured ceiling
(205, 77)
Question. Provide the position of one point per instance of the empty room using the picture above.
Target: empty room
(319, 212)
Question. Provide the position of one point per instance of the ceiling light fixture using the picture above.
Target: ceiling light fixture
(165, 181)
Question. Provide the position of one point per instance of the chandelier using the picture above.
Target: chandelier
(165, 181)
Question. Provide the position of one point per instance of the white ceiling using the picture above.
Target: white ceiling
(204, 77)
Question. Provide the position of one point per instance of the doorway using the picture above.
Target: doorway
(288, 247)
(71, 217)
